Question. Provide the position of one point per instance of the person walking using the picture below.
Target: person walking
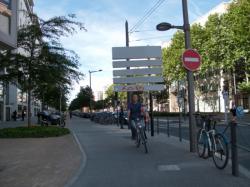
(23, 115)
(70, 114)
(14, 115)
(121, 117)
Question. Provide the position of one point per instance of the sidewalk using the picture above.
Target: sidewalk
(40, 162)
(18, 123)
(113, 160)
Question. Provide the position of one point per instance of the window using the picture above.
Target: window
(6, 2)
(5, 24)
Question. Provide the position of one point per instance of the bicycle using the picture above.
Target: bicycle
(140, 134)
(212, 143)
(62, 122)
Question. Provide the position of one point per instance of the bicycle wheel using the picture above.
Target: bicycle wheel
(144, 141)
(220, 151)
(201, 143)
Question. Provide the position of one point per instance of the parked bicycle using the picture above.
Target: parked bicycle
(140, 134)
(211, 143)
(62, 122)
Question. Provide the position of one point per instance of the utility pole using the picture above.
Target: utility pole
(151, 114)
(90, 108)
(190, 78)
(127, 45)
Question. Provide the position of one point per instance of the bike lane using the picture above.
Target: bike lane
(114, 161)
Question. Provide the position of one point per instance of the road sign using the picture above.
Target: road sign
(137, 68)
(134, 88)
(142, 71)
(191, 59)
(137, 52)
(136, 63)
(134, 80)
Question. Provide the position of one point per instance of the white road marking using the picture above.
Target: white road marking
(168, 168)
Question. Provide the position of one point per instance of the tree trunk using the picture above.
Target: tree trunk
(29, 102)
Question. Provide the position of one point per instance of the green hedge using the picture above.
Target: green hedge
(175, 114)
(171, 114)
(33, 132)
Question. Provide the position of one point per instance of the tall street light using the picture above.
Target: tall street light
(186, 28)
(90, 72)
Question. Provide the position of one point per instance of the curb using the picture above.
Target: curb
(83, 162)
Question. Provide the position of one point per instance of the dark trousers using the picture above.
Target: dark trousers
(133, 130)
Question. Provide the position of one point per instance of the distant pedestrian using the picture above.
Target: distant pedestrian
(14, 115)
(121, 117)
(233, 111)
(70, 114)
(23, 115)
(38, 118)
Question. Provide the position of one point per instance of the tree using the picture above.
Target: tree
(222, 43)
(122, 96)
(83, 99)
(41, 58)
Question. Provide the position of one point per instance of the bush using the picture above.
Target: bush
(33, 132)
(170, 114)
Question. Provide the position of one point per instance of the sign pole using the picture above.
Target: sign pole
(151, 114)
(127, 45)
(190, 78)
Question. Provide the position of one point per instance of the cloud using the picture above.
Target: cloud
(94, 46)
(104, 20)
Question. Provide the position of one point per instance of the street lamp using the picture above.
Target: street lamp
(90, 72)
(186, 28)
(164, 26)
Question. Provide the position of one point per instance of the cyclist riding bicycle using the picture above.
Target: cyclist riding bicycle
(136, 111)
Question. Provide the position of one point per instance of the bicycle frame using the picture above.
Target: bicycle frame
(210, 137)
(140, 134)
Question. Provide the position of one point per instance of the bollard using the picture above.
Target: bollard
(234, 150)
(168, 127)
(180, 133)
(157, 123)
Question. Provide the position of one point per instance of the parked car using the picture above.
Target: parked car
(49, 118)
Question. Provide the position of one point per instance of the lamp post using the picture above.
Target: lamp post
(186, 28)
(90, 72)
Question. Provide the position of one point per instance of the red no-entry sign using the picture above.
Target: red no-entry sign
(191, 60)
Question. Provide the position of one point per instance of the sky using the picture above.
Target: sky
(104, 21)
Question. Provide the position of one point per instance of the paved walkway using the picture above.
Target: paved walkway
(18, 123)
(40, 162)
(114, 161)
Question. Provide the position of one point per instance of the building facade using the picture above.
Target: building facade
(12, 98)
(208, 94)
(8, 22)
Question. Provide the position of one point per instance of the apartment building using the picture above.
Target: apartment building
(11, 96)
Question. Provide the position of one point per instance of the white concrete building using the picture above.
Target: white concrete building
(12, 98)
(99, 95)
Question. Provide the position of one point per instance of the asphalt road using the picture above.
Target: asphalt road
(243, 137)
(114, 161)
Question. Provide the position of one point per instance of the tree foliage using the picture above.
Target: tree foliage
(122, 96)
(42, 66)
(83, 99)
(221, 42)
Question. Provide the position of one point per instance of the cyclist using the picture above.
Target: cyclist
(136, 111)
